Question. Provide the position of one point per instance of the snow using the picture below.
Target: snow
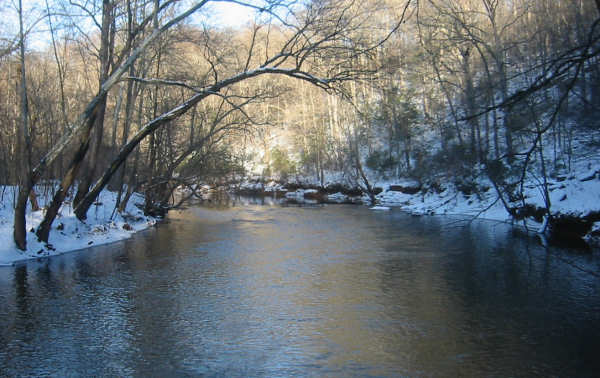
(449, 202)
(570, 196)
(272, 186)
(300, 193)
(295, 194)
(68, 233)
(337, 197)
(407, 183)
(379, 208)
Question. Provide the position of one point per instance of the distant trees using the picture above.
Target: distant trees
(503, 86)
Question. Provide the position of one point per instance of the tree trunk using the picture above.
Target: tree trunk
(19, 227)
(43, 231)
(363, 176)
(26, 181)
(129, 104)
(85, 183)
(131, 185)
(469, 93)
(106, 39)
(35, 206)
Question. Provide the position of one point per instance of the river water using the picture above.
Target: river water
(326, 290)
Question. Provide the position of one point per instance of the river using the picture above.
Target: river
(322, 290)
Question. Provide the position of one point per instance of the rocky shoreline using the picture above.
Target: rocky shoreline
(579, 229)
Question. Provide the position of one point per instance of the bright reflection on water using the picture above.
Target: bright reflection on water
(320, 290)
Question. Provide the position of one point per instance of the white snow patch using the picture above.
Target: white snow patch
(295, 194)
(337, 197)
(68, 233)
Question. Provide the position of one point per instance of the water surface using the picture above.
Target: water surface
(334, 290)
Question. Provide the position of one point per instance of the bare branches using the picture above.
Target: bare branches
(565, 64)
(154, 81)
(324, 43)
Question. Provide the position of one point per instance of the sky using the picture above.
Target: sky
(229, 15)
(216, 14)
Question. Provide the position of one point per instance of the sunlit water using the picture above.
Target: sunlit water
(333, 290)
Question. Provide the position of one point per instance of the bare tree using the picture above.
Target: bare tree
(25, 183)
(80, 133)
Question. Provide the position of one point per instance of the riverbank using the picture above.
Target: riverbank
(575, 200)
(68, 233)
(575, 209)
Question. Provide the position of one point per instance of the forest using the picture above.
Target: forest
(154, 95)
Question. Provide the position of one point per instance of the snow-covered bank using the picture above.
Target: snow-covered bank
(574, 198)
(570, 196)
(68, 233)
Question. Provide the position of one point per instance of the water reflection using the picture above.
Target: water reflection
(313, 290)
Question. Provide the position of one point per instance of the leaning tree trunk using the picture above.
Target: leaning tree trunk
(363, 176)
(43, 231)
(88, 178)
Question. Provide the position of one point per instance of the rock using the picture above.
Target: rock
(127, 227)
(593, 236)
(574, 230)
(408, 187)
(437, 187)
(588, 176)
(529, 211)
(313, 194)
(291, 187)
(60, 227)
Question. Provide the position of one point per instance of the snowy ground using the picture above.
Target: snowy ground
(69, 234)
(576, 193)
